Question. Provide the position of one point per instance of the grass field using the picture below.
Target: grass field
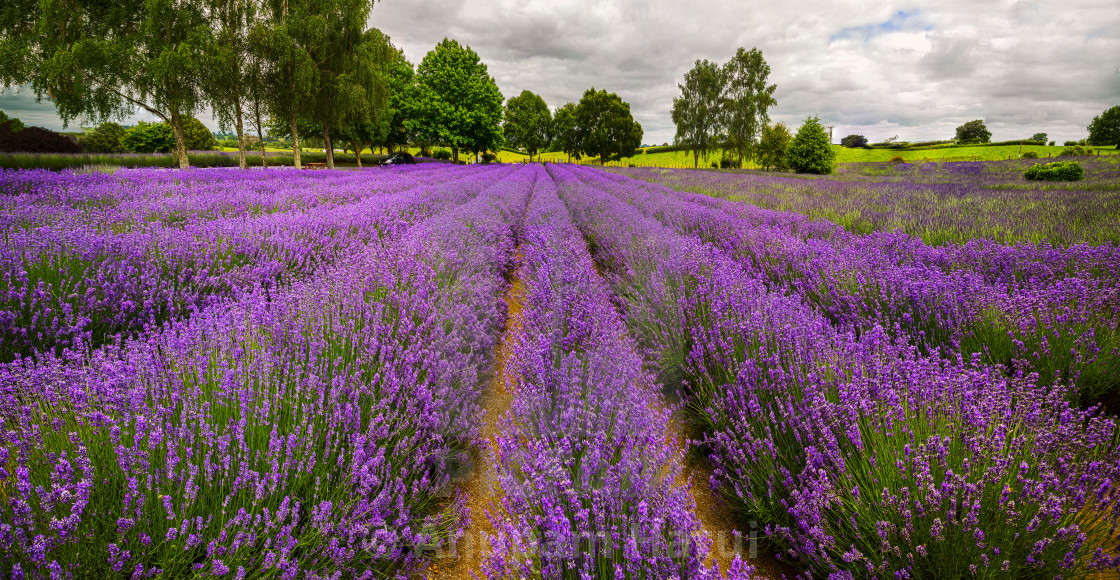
(683, 159)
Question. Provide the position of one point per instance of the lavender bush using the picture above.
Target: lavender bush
(862, 456)
(592, 489)
(295, 433)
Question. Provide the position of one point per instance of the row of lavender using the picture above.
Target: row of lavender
(859, 455)
(292, 432)
(592, 488)
(938, 202)
(1054, 311)
(85, 259)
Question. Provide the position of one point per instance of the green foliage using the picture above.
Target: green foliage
(853, 141)
(148, 138)
(1105, 128)
(1030, 154)
(106, 138)
(810, 151)
(565, 132)
(401, 81)
(528, 123)
(1058, 171)
(698, 112)
(1070, 143)
(489, 157)
(748, 100)
(102, 60)
(1074, 151)
(1042, 137)
(973, 132)
(605, 127)
(11, 124)
(443, 154)
(455, 100)
(772, 146)
(197, 136)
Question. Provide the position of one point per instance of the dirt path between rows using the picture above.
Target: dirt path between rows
(464, 560)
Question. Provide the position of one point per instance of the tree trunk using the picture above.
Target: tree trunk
(358, 153)
(260, 136)
(241, 160)
(455, 153)
(696, 160)
(327, 147)
(180, 139)
(295, 140)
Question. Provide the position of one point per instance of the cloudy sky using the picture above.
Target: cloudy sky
(878, 68)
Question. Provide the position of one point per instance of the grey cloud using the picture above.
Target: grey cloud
(1023, 66)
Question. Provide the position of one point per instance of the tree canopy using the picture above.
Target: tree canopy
(455, 101)
(605, 126)
(853, 141)
(1105, 128)
(973, 132)
(748, 100)
(699, 112)
(810, 151)
(102, 60)
(528, 123)
(772, 146)
(565, 131)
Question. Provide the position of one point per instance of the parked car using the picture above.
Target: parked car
(399, 159)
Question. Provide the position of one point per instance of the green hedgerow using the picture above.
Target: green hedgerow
(1058, 171)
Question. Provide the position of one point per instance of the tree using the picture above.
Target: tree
(456, 101)
(288, 70)
(565, 132)
(231, 66)
(748, 100)
(854, 141)
(698, 112)
(605, 126)
(973, 132)
(106, 138)
(810, 150)
(98, 61)
(351, 64)
(772, 146)
(528, 123)
(1040, 137)
(1105, 128)
(401, 79)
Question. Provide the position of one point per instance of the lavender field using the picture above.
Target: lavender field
(513, 372)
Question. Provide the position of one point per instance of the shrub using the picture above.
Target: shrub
(489, 157)
(149, 138)
(897, 159)
(1074, 150)
(1058, 171)
(773, 146)
(14, 125)
(1030, 154)
(443, 154)
(853, 141)
(1069, 144)
(728, 163)
(106, 138)
(810, 151)
(715, 165)
(1052, 143)
(15, 138)
(198, 137)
